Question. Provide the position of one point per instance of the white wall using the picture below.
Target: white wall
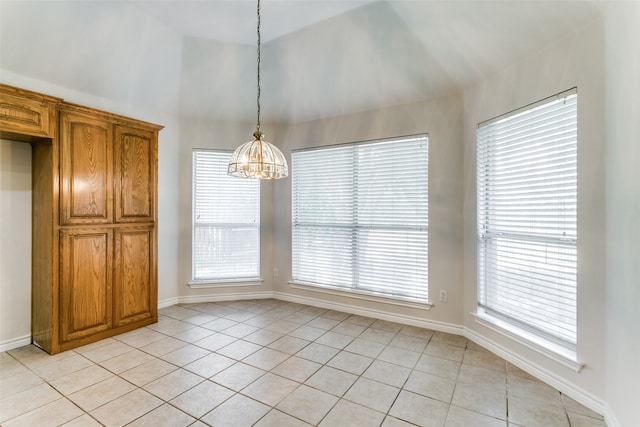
(15, 243)
(623, 211)
(574, 61)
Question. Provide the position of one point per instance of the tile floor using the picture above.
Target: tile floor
(273, 363)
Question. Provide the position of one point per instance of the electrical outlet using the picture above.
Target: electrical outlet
(443, 296)
(275, 271)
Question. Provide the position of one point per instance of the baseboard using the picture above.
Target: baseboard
(194, 299)
(15, 343)
(377, 314)
(576, 393)
(610, 417)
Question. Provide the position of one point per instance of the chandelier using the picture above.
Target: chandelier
(258, 159)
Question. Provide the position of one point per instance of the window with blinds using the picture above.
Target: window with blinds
(527, 206)
(226, 220)
(359, 217)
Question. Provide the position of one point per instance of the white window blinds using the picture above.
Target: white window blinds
(359, 217)
(226, 220)
(527, 205)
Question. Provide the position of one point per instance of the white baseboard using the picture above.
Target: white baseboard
(377, 314)
(15, 343)
(610, 417)
(576, 393)
(194, 299)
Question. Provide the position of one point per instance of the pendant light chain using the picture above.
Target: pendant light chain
(258, 99)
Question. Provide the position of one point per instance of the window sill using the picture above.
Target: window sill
(361, 295)
(224, 283)
(559, 354)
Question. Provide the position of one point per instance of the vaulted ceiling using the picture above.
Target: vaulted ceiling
(319, 58)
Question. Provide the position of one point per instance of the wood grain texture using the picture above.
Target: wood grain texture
(26, 113)
(86, 169)
(85, 282)
(135, 281)
(136, 159)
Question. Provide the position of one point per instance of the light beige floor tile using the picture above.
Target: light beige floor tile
(240, 330)
(323, 323)
(360, 320)
(219, 325)
(276, 418)
(238, 350)
(514, 370)
(444, 350)
(52, 414)
(484, 359)
(145, 337)
(296, 368)
(263, 337)
(350, 362)
(64, 367)
(172, 327)
(385, 325)
(414, 331)
(209, 365)
(459, 417)
(307, 404)
(394, 422)
(535, 390)
(531, 413)
(238, 411)
(238, 376)
(365, 348)
(335, 315)
(377, 335)
(80, 379)
(11, 367)
(578, 420)
(193, 334)
(17, 383)
(485, 378)
(270, 389)
(351, 329)
(480, 400)
(182, 313)
(318, 353)
(266, 358)
(445, 338)
(308, 333)
(215, 342)
(348, 414)
(438, 366)
(202, 398)
(409, 343)
(126, 408)
(126, 361)
(240, 315)
(432, 386)
(165, 415)
(33, 357)
(94, 345)
(82, 421)
(147, 372)
(300, 317)
(577, 408)
(331, 380)
(289, 344)
(335, 340)
(199, 319)
(419, 410)
(387, 373)
(163, 346)
(27, 400)
(399, 356)
(372, 394)
(102, 353)
(98, 394)
(185, 355)
(173, 384)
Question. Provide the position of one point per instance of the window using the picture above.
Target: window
(359, 217)
(226, 221)
(527, 205)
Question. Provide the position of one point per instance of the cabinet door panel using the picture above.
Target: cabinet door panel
(135, 275)
(85, 283)
(86, 174)
(136, 170)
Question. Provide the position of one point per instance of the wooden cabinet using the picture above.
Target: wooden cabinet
(94, 271)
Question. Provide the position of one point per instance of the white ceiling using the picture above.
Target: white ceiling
(319, 58)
